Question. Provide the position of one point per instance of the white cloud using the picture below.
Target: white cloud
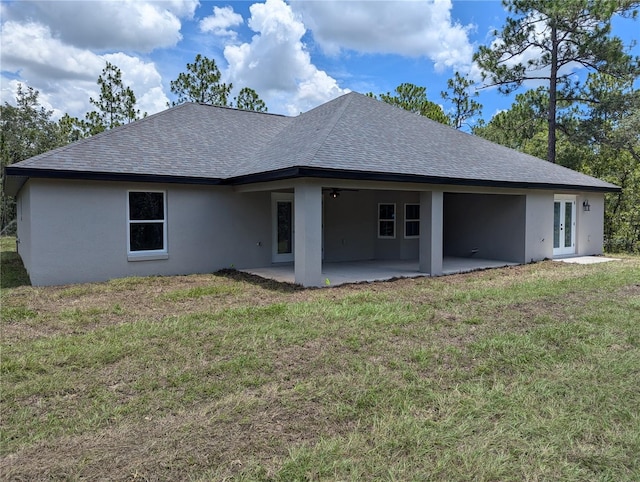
(60, 48)
(115, 25)
(144, 80)
(66, 75)
(410, 28)
(276, 63)
(219, 23)
(31, 49)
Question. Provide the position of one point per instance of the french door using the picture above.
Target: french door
(564, 225)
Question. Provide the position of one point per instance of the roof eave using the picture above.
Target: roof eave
(323, 173)
(13, 184)
(15, 177)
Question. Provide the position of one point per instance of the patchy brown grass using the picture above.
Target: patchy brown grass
(521, 372)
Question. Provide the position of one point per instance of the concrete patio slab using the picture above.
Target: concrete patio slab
(376, 270)
(586, 259)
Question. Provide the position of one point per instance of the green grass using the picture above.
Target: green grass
(201, 291)
(12, 272)
(527, 373)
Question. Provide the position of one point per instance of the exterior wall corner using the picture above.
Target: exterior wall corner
(539, 227)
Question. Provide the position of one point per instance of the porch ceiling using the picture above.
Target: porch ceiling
(375, 270)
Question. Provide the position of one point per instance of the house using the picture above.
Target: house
(198, 188)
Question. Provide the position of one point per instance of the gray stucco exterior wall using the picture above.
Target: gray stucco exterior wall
(349, 226)
(76, 231)
(351, 223)
(539, 232)
(488, 226)
(590, 224)
(81, 231)
(308, 234)
(431, 232)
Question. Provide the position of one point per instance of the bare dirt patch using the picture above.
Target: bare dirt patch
(220, 435)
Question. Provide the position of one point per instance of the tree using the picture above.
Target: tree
(26, 130)
(460, 96)
(611, 126)
(70, 129)
(116, 104)
(612, 116)
(413, 98)
(248, 99)
(201, 83)
(522, 127)
(545, 39)
(92, 124)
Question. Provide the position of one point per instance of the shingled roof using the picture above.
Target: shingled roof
(353, 136)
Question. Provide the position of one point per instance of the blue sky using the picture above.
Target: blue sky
(295, 54)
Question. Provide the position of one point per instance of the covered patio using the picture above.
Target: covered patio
(339, 273)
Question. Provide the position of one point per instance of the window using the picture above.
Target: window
(386, 220)
(412, 220)
(146, 219)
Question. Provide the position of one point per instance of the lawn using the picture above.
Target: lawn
(521, 373)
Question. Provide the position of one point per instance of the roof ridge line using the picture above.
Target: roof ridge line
(254, 158)
(228, 107)
(331, 125)
(306, 154)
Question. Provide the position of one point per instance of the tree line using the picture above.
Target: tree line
(589, 123)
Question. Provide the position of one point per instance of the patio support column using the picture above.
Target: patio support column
(431, 232)
(308, 234)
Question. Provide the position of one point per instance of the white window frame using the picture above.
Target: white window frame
(386, 220)
(411, 220)
(150, 254)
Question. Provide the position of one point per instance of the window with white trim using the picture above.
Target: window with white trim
(412, 220)
(147, 222)
(387, 220)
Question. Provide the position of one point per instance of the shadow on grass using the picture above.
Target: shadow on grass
(265, 283)
(12, 272)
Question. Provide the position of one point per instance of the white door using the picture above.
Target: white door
(564, 225)
(282, 227)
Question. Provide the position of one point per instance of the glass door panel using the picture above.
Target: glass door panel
(568, 224)
(282, 229)
(564, 222)
(285, 227)
(556, 224)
